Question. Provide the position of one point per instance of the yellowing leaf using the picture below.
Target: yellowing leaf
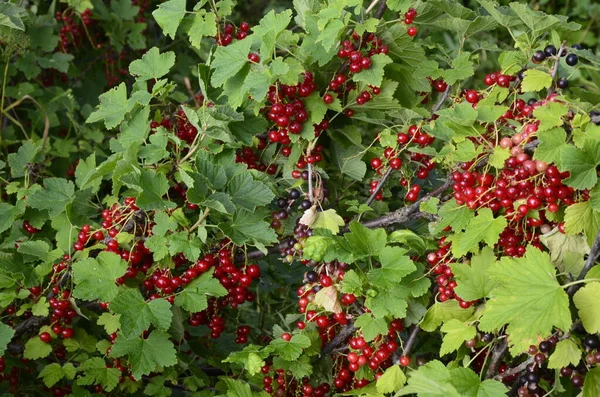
(327, 298)
(329, 220)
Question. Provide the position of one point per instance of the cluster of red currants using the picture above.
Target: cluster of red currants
(225, 35)
(409, 16)
(71, 32)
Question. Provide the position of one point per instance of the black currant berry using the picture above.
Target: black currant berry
(562, 83)
(531, 101)
(545, 346)
(577, 47)
(591, 341)
(294, 194)
(312, 277)
(538, 56)
(572, 59)
(306, 204)
(282, 203)
(532, 377)
(550, 50)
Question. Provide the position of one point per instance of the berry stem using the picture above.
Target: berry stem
(590, 261)
(555, 68)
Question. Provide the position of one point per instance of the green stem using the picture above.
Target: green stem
(586, 280)
(2, 98)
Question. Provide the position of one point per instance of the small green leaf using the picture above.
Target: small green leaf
(95, 278)
(588, 306)
(112, 108)
(168, 15)
(391, 381)
(565, 353)
(536, 80)
(153, 65)
(136, 314)
(330, 220)
(456, 332)
(370, 326)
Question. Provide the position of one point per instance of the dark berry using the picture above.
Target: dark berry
(572, 59)
(538, 56)
(550, 50)
(294, 194)
(591, 341)
(562, 83)
(306, 204)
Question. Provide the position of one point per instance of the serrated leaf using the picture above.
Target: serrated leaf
(472, 280)
(54, 372)
(292, 349)
(112, 108)
(370, 326)
(498, 157)
(154, 186)
(581, 163)
(552, 142)
(566, 251)
(110, 322)
(327, 298)
(550, 115)
(528, 298)
(168, 15)
(136, 314)
(144, 355)
(394, 266)
(462, 68)
(95, 277)
(535, 80)
(591, 384)
(6, 335)
(456, 332)
(352, 283)
(484, 227)
(152, 65)
(328, 219)
(229, 60)
(36, 349)
(202, 26)
(193, 297)
(565, 353)
(54, 197)
(374, 75)
(444, 311)
(581, 217)
(388, 302)
(391, 381)
(588, 306)
(249, 193)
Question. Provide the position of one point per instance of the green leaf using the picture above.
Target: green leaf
(247, 227)
(6, 335)
(498, 157)
(168, 15)
(268, 29)
(581, 163)
(137, 314)
(431, 379)
(202, 26)
(528, 298)
(391, 381)
(363, 242)
(112, 108)
(95, 371)
(472, 280)
(566, 251)
(330, 220)
(290, 350)
(552, 142)
(193, 297)
(484, 227)
(410, 238)
(153, 65)
(95, 277)
(390, 302)
(511, 62)
(19, 161)
(237, 388)
(536, 80)
(154, 186)
(453, 215)
(462, 68)
(59, 61)
(565, 353)
(550, 115)
(374, 75)
(144, 355)
(54, 372)
(588, 306)
(352, 283)
(124, 9)
(56, 195)
(370, 326)
(249, 193)
(591, 384)
(110, 322)
(580, 217)
(10, 16)
(229, 61)
(349, 161)
(299, 368)
(442, 312)
(394, 266)
(36, 349)
(456, 332)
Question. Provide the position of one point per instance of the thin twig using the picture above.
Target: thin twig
(441, 101)
(498, 353)
(310, 183)
(590, 261)
(340, 338)
(555, 68)
(411, 340)
(379, 185)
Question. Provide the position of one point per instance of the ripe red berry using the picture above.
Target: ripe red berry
(404, 361)
(286, 336)
(46, 337)
(254, 57)
(412, 31)
(328, 98)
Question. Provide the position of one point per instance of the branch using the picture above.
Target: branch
(440, 102)
(379, 185)
(406, 213)
(555, 68)
(591, 259)
(498, 354)
(411, 340)
(340, 338)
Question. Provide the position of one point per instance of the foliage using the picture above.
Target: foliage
(374, 198)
